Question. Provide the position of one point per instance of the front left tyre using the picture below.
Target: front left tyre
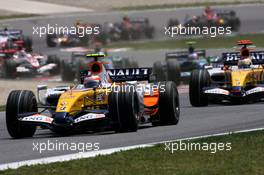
(200, 79)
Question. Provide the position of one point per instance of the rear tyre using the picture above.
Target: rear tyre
(169, 106)
(173, 22)
(200, 78)
(159, 71)
(54, 59)
(149, 32)
(50, 40)
(20, 101)
(67, 73)
(174, 71)
(28, 44)
(123, 110)
(235, 24)
(9, 68)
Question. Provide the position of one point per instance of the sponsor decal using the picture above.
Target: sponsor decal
(217, 91)
(255, 90)
(38, 118)
(129, 74)
(89, 116)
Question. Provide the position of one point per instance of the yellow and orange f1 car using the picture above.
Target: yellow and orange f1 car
(120, 99)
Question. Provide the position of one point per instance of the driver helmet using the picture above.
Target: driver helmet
(245, 59)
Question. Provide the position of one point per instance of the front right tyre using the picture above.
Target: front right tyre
(20, 101)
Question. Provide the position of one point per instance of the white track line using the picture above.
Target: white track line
(68, 157)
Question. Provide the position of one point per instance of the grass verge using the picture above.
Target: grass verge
(181, 5)
(218, 42)
(2, 108)
(245, 157)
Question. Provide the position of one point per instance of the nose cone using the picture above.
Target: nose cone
(62, 118)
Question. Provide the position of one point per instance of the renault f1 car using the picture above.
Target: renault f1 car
(95, 103)
(179, 65)
(234, 82)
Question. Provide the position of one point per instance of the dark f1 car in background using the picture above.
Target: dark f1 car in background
(130, 29)
(70, 69)
(94, 104)
(178, 65)
(235, 82)
(71, 37)
(218, 18)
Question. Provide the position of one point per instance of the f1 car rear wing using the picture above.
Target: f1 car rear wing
(139, 20)
(78, 54)
(11, 32)
(231, 58)
(225, 12)
(170, 55)
(130, 74)
(127, 74)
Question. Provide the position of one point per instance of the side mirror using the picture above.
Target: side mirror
(42, 87)
(208, 67)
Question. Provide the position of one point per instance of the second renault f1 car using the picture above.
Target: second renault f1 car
(235, 82)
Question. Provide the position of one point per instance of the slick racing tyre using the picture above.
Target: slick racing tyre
(67, 73)
(173, 23)
(9, 69)
(235, 24)
(50, 40)
(158, 71)
(21, 101)
(200, 78)
(149, 32)
(173, 71)
(169, 106)
(56, 60)
(123, 110)
(28, 44)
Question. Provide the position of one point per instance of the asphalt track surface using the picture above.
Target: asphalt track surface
(193, 122)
